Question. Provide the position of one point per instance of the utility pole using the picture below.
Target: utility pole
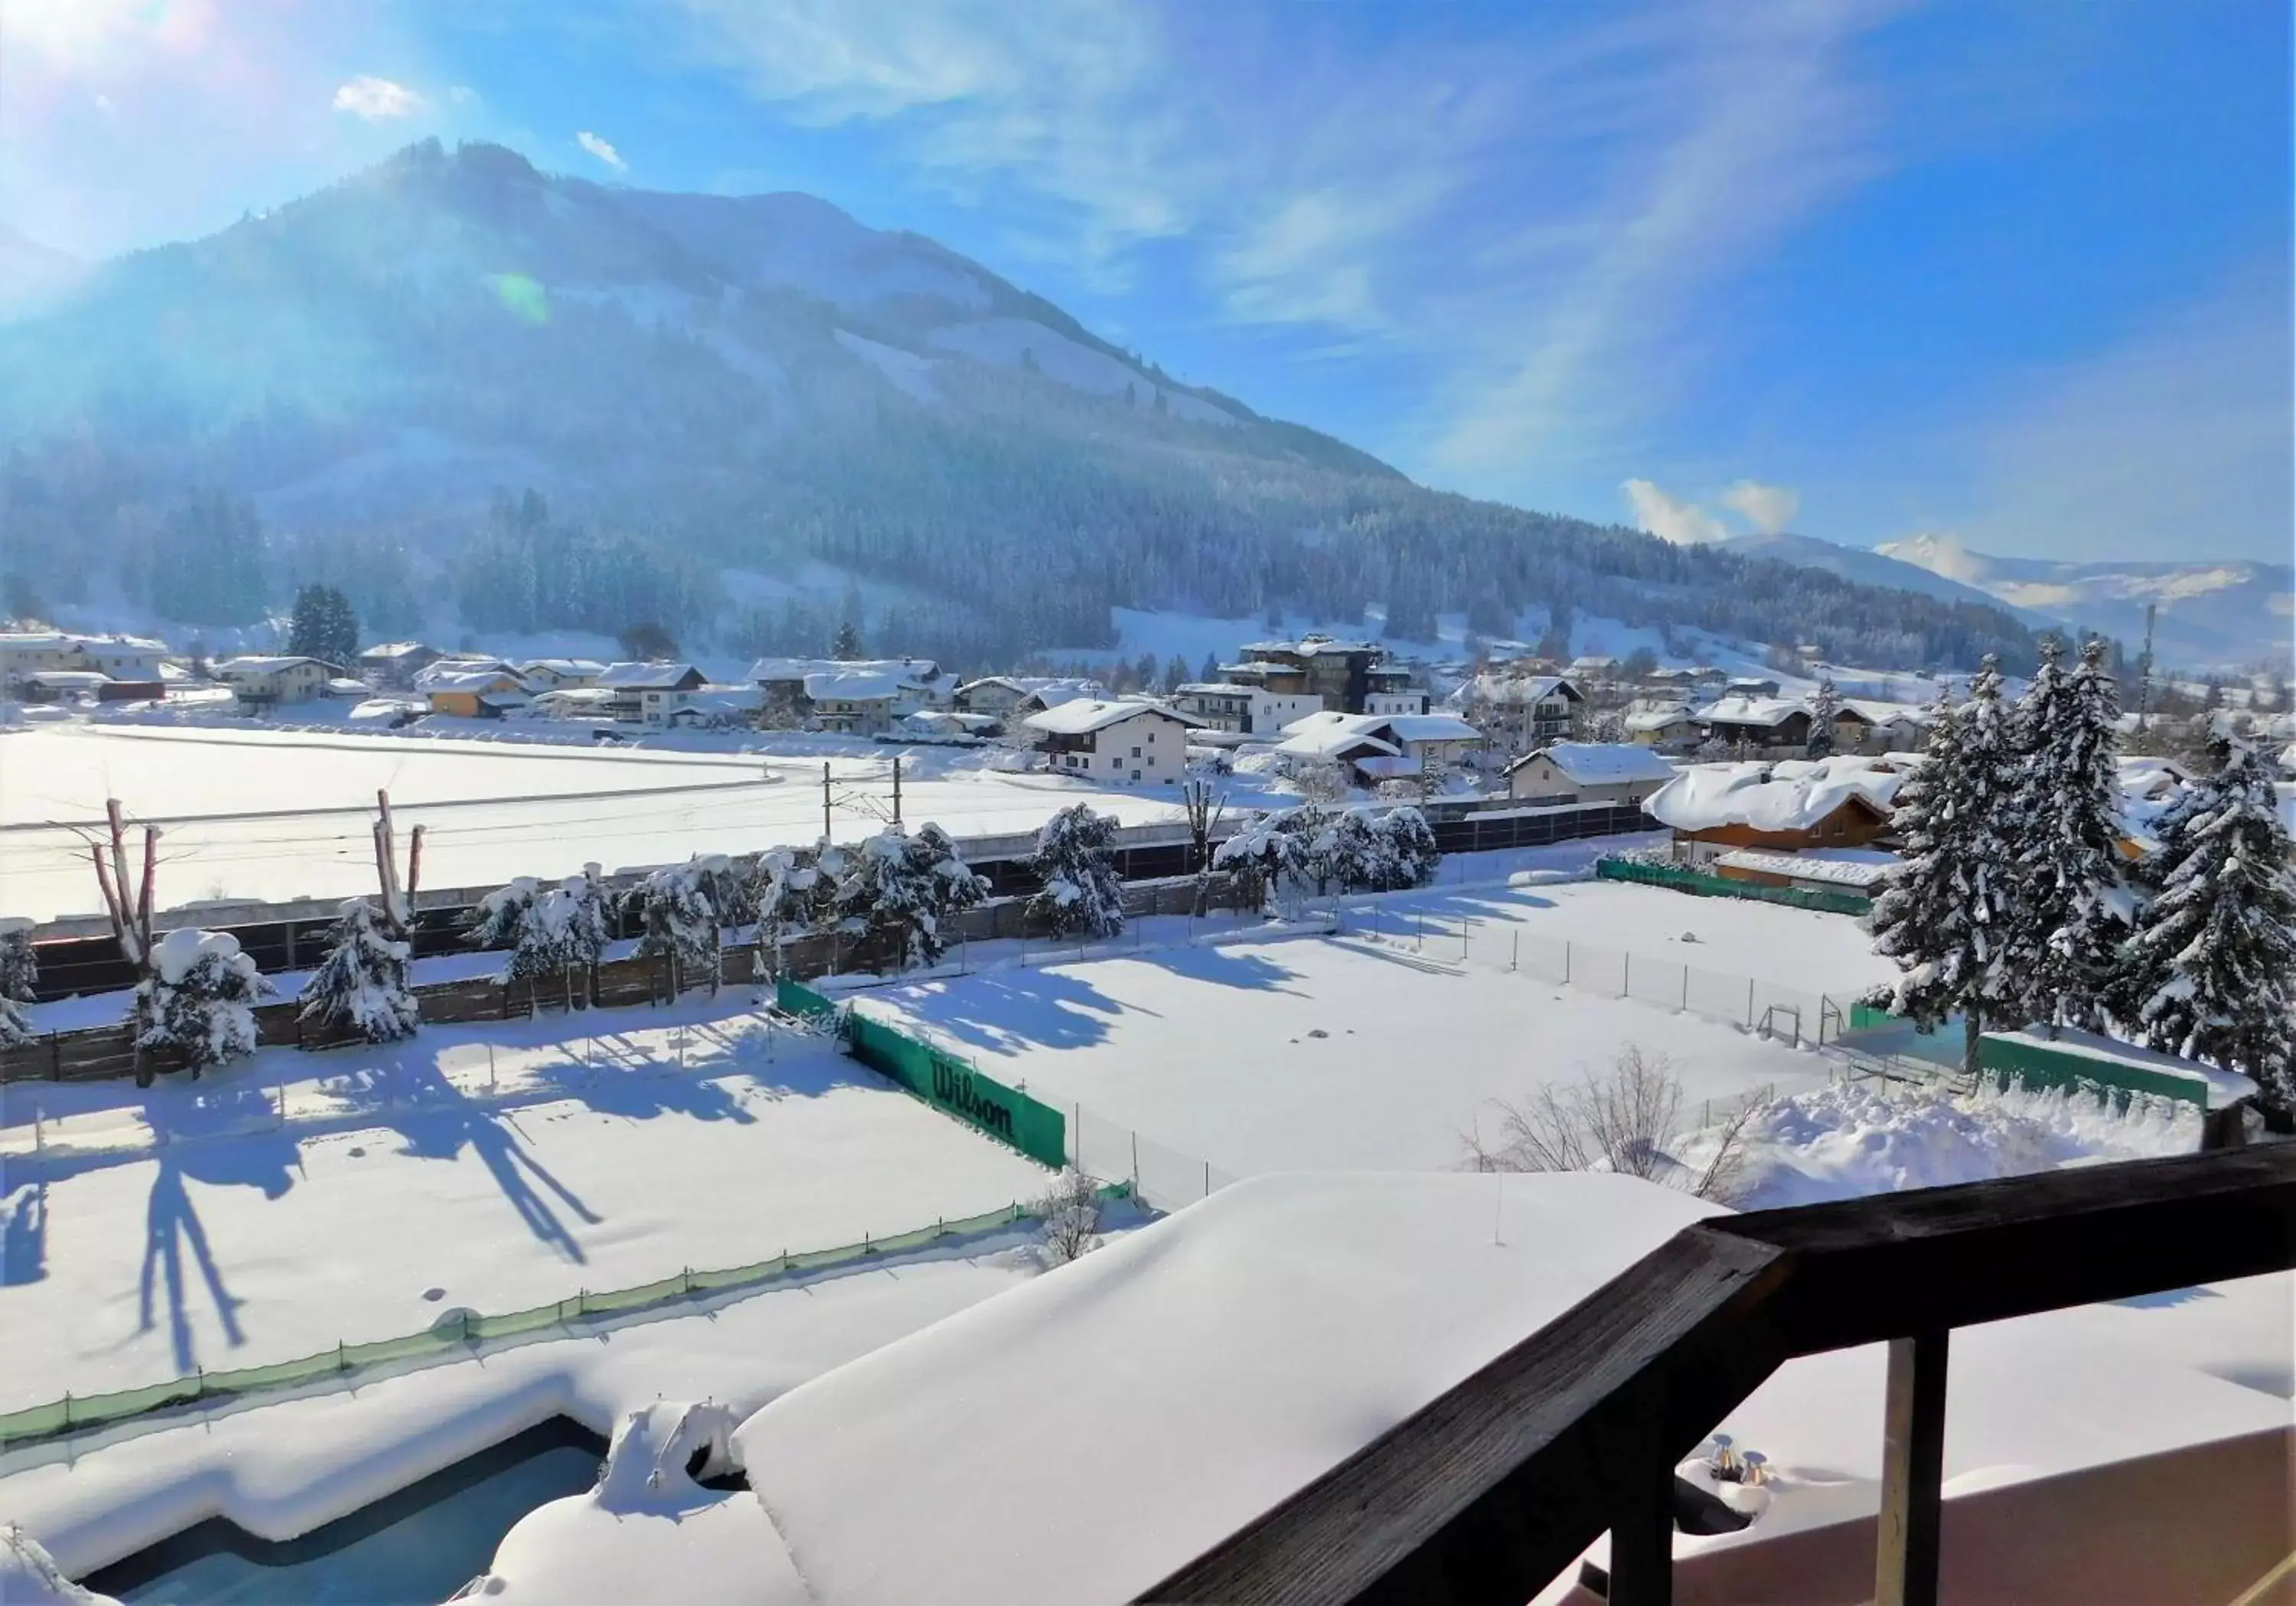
(825, 800)
(896, 792)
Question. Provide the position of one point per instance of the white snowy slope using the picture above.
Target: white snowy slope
(1086, 1433)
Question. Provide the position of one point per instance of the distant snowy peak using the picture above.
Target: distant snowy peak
(2213, 613)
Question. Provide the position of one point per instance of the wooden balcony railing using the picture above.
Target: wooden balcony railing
(1485, 1496)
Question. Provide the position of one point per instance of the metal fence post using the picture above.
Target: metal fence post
(1750, 1003)
(1566, 961)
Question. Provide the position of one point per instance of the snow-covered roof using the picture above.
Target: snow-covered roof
(1876, 713)
(856, 686)
(442, 678)
(1771, 797)
(1858, 874)
(1601, 763)
(1764, 712)
(393, 649)
(258, 664)
(1659, 718)
(786, 671)
(1308, 647)
(1381, 766)
(71, 680)
(641, 676)
(1365, 1294)
(1326, 732)
(1080, 716)
(1511, 691)
(563, 666)
(575, 697)
(34, 641)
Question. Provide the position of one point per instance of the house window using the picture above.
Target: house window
(1136, 752)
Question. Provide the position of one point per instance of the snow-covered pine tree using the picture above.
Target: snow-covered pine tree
(501, 913)
(589, 928)
(1411, 858)
(788, 884)
(2073, 905)
(1079, 892)
(199, 1000)
(1824, 706)
(680, 918)
(2211, 970)
(907, 887)
(1946, 906)
(364, 984)
(20, 968)
(1255, 858)
(1344, 854)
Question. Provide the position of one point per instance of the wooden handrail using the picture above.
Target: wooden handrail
(1485, 1495)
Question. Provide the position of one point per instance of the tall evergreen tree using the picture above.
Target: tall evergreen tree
(323, 626)
(2073, 903)
(908, 886)
(1825, 704)
(848, 642)
(1946, 908)
(2211, 970)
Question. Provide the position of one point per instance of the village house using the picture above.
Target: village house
(1008, 698)
(561, 674)
(648, 694)
(1750, 686)
(473, 693)
(1587, 772)
(1376, 747)
(131, 662)
(396, 663)
(715, 708)
(1524, 711)
(576, 703)
(786, 687)
(1765, 726)
(1792, 806)
(264, 681)
(1343, 677)
(1865, 726)
(1130, 740)
(1671, 729)
(1243, 709)
(54, 685)
(1594, 666)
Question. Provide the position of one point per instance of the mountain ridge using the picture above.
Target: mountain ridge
(380, 369)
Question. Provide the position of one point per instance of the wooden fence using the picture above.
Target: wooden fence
(97, 1053)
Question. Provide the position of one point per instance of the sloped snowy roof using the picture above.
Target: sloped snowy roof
(1601, 763)
(255, 664)
(51, 640)
(1308, 647)
(1860, 875)
(1876, 713)
(1770, 797)
(650, 675)
(393, 649)
(1326, 732)
(470, 679)
(71, 680)
(1330, 741)
(784, 670)
(1512, 691)
(1365, 1294)
(857, 686)
(1080, 716)
(561, 666)
(1766, 711)
(1659, 718)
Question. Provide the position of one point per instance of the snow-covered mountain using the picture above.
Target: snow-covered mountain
(1870, 568)
(373, 376)
(32, 274)
(2212, 614)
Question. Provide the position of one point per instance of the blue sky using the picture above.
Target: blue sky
(2015, 274)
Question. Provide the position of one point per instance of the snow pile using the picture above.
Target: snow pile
(1138, 1405)
(1849, 1140)
(28, 1577)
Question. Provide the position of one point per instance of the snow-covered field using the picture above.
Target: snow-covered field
(495, 1169)
(491, 810)
(1309, 1052)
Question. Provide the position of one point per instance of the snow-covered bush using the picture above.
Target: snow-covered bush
(501, 914)
(907, 887)
(199, 1000)
(1070, 1214)
(363, 985)
(20, 968)
(788, 894)
(1080, 893)
(587, 928)
(679, 907)
(1410, 856)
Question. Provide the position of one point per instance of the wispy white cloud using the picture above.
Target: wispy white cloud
(1769, 509)
(372, 98)
(601, 149)
(1676, 519)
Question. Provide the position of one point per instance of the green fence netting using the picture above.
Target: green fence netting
(1723, 886)
(942, 1080)
(453, 1337)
